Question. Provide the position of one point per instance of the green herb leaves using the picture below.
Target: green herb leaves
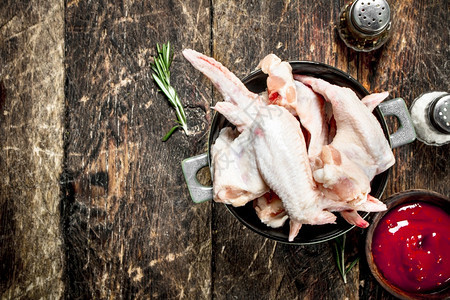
(339, 247)
(161, 75)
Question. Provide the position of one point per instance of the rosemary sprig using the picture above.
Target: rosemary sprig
(339, 247)
(161, 75)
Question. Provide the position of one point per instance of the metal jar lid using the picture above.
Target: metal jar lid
(370, 17)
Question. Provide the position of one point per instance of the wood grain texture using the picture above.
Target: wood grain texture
(247, 266)
(31, 148)
(414, 61)
(129, 227)
(93, 205)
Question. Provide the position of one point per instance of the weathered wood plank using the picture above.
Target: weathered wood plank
(31, 148)
(248, 266)
(389, 68)
(130, 228)
(413, 62)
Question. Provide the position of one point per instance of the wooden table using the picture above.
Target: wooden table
(94, 205)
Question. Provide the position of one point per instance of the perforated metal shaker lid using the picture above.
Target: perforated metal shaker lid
(439, 113)
(370, 16)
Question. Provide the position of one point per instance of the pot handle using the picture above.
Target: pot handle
(405, 134)
(199, 193)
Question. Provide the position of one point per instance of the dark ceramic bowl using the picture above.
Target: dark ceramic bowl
(392, 202)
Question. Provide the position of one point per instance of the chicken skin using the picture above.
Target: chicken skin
(330, 171)
(236, 178)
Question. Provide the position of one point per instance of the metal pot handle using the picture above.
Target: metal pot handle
(405, 134)
(199, 193)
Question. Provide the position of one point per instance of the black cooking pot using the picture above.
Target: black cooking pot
(309, 234)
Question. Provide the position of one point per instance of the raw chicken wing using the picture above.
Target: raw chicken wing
(270, 210)
(311, 111)
(359, 134)
(236, 178)
(277, 143)
(280, 83)
(359, 144)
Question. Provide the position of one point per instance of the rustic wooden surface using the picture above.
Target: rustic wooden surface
(31, 148)
(94, 205)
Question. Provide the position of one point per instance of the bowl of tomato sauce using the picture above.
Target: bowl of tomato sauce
(408, 245)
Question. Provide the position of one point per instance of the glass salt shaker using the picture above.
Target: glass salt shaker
(430, 114)
(365, 25)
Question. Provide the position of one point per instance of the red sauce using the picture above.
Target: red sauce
(411, 247)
